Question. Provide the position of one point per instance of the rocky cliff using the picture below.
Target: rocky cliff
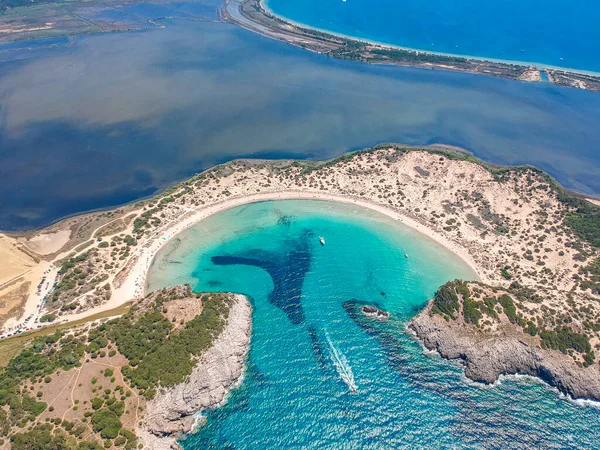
(171, 412)
(486, 356)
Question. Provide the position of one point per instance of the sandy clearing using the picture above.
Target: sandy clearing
(13, 261)
(48, 243)
(531, 75)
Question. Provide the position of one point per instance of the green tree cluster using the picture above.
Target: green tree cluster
(446, 300)
(508, 305)
(106, 422)
(159, 357)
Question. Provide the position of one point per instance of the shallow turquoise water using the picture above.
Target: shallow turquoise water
(309, 344)
(548, 32)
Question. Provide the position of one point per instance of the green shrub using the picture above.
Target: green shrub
(161, 358)
(47, 318)
(585, 220)
(107, 423)
(97, 403)
(446, 300)
(509, 308)
(471, 311)
(89, 446)
(564, 338)
(38, 438)
(531, 328)
(489, 306)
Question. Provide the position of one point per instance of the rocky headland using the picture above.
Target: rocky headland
(560, 358)
(173, 411)
(126, 382)
(533, 246)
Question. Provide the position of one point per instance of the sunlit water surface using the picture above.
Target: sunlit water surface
(100, 120)
(545, 32)
(311, 346)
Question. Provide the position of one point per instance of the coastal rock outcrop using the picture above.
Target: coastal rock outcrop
(171, 412)
(510, 351)
(376, 313)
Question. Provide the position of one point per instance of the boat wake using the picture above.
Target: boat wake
(341, 365)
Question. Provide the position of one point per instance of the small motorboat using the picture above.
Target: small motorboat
(406, 255)
(322, 240)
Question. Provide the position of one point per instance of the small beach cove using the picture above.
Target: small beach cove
(310, 341)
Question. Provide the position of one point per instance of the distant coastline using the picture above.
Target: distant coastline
(256, 16)
(536, 64)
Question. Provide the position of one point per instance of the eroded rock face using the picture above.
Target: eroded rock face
(510, 351)
(171, 411)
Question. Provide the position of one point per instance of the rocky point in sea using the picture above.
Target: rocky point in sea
(174, 411)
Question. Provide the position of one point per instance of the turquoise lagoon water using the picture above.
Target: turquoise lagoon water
(515, 30)
(310, 344)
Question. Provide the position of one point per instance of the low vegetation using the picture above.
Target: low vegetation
(591, 272)
(584, 218)
(487, 308)
(152, 353)
(165, 357)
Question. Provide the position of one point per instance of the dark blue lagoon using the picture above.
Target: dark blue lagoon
(100, 120)
(550, 32)
(321, 374)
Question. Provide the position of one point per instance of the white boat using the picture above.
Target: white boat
(406, 255)
(322, 240)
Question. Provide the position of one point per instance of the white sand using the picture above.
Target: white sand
(134, 285)
(458, 204)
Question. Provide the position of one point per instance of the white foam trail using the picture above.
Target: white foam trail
(341, 365)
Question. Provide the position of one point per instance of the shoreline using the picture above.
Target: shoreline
(486, 357)
(511, 377)
(255, 16)
(136, 282)
(592, 198)
(525, 64)
(511, 226)
(302, 26)
(404, 220)
(177, 410)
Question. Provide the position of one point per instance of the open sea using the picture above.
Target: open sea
(322, 375)
(548, 32)
(96, 121)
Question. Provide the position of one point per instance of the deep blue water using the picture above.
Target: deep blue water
(515, 30)
(96, 121)
(310, 343)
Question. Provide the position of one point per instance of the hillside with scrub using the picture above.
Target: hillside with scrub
(87, 387)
